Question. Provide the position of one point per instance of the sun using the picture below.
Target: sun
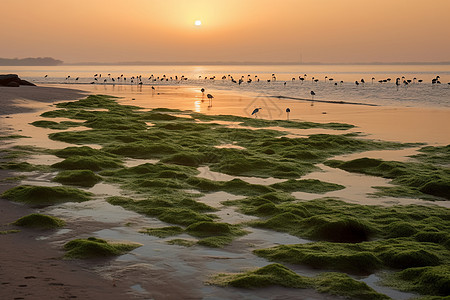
(198, 23)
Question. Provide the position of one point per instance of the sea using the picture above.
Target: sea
(419, 85)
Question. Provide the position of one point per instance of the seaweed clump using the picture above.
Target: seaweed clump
(44, 195)
(214, 234)
(270, 275)
(96, 248)
(85, 178)
(433, 281)
(40, 221)
(278, 275)
(360, 258)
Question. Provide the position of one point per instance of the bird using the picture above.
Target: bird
(255, 111)
(45, 76)
(288, 110)
(202, 90)
(210, 97)
(312, 97)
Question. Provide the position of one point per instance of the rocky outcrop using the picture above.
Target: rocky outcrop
(13, 80)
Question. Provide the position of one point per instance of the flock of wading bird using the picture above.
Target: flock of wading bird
(139, 80)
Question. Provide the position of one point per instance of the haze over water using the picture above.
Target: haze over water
(424, 94)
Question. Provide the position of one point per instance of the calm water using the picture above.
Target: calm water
(424, 94)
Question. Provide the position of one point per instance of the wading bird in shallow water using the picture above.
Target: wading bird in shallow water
(288, 110)
(255, 111)
(312, 98)
(210, 97)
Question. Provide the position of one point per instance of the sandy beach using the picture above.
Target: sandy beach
(32, 266)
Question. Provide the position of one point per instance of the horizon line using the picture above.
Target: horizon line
(250, 63)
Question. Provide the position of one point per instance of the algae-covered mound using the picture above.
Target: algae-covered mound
(93, 163)
(214, 234)
(78, 177)
(343, 285)
(338, 221)
(419, 178)
(176, 210)
(434, 155)
(278, 275)
(308, 186)
(55, 125)
(270, 275)
(12, 136)
(39, 221)
(18, 166)
(360, 258)
(81, 151)
(352, 258)
(425, 280)
(44, 195)
(96, 248)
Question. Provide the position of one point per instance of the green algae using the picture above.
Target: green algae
(12, 136)
(425, 280)
(338, 221)
(168, 209)
(216, 241)
(143, 149)
(93, 163)
(182, 242)
(270, 275)
(14, 178)
(39, 221)
(359, 258)
(2, 232)
(343, 285)
(308, 186)
(163, 232)
(417, 178)
(55, 125)
(278, 275)
(43, 195)
(215, 234)
(183, 142)
(434, 155)
(85, 178)
(234, 186)
(20, 166)
(81, 151)
(96, 248)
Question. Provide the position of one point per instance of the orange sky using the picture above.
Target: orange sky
(232, 30)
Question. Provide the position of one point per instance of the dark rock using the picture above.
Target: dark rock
(24, 82)
(12, 84)
(13, 80)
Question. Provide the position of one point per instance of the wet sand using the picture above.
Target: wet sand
(156, 277)
(31, 268)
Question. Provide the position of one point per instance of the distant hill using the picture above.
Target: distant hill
(31, 61)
